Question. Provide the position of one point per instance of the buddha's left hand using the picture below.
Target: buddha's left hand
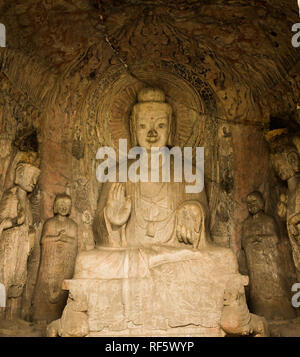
(188, 220)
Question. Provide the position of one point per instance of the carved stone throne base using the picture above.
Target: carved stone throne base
(183, 297)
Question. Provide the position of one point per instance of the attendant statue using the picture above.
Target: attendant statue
(286, 163)
(260, 243)
(58, 254)
(154, 270)
(17, 236)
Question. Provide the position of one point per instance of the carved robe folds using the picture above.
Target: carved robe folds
(145, 282)
(16, 244)
(153, 215)
(268, 292)
(59, 250)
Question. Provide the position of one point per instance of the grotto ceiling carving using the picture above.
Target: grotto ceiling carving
(240, 49)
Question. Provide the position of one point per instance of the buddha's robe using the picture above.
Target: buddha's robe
(56, 264)
(153, 215)
(143, 261)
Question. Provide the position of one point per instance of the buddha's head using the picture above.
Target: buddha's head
(151, 120)
(286, 162)
(26, 176)
(255, 202)
(62, 204)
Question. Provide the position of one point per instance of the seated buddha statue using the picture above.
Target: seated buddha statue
(154, 270)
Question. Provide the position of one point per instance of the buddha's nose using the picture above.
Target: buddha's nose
(152, 133)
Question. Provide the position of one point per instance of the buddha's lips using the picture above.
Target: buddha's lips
(152, 139)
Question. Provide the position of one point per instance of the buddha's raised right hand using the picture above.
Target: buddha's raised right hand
(118, 206)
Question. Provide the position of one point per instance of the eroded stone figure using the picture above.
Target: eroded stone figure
(6, 149)
(286, 162)
(236, 318)
(59, 249)
(154, 270)
(260, 243)
(17, 237)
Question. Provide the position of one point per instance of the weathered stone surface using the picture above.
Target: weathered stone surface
(286, 163)
(269, 296)
(59, 250)
(17, 237)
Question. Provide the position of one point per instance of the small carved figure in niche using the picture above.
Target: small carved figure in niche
(17, 236)
(59, 250)
(260, 242)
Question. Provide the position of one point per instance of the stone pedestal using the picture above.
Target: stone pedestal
(153, 292)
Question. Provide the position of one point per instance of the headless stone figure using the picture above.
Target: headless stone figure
(59, 250)
(260, 242)
(17, 237)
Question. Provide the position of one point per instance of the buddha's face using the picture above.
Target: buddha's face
(152, 128)
(63, 206)
(254, 204)
(27, 177)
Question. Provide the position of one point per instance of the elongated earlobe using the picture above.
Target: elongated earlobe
(20, 171)
(293, 159)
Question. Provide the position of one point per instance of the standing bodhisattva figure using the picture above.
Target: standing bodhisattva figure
(286, 163)
(17, 237)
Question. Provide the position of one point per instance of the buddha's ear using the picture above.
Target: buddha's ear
(171, 139)
(132, 128)
(54, 206)
(293, 159)
(171, 129)
(19, 172)
(70, 207)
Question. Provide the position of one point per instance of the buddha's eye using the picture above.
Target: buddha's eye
(161, 125)
(142, 126)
